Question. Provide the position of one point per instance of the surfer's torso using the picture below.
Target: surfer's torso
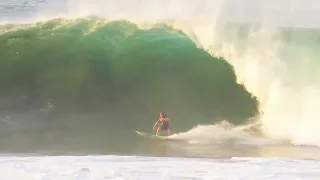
(164, 123)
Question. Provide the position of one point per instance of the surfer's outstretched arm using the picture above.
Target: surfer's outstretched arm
(155, 125)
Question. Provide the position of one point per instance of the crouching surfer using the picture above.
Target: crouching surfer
(163, 124)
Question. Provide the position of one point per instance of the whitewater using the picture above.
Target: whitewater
(134, 167)
(274, 56)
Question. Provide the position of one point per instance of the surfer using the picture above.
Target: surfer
(163, 124)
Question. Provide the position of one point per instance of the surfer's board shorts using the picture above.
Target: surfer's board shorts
(164, 127)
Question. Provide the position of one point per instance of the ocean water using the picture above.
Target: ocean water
(239, 81)
(136, 167)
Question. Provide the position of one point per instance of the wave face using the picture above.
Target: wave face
(91, 64)
(277, 65)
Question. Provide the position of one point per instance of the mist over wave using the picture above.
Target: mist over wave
(278, 65)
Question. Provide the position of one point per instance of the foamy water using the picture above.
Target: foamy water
(268, 68)
(133, 167)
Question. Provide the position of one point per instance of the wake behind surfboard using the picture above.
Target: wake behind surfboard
(151, 135)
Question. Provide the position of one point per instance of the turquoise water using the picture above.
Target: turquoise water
(238, 80)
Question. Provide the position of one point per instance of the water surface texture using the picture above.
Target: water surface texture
(239, 81)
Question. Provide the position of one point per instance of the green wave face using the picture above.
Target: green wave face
(115, 67)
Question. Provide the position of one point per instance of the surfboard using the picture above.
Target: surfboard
(151, 135)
